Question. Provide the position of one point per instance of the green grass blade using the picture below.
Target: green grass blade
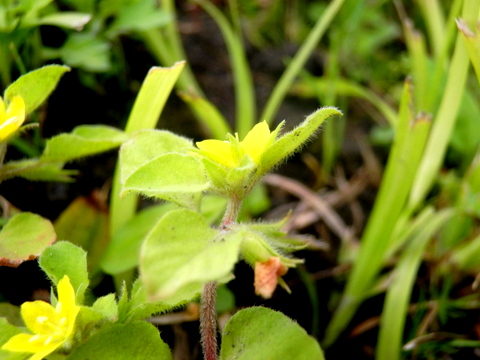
(435, 21)
(418, 58)
(472, 42)
(210, 115)
(297, 63)
(446, 115)
(398, 294)
(244, 91)
(314, 86)
(403, 160)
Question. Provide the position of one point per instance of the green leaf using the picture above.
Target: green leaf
(24, 238)
(87, 51)
(146, 145)
(191, 254)
(6, 332)
(11, 313)
(35, 86)
(139, 16)
(124, 248)
(145, 113)
(132, 341)
(295, 139)
(174, 177)
(36, 170)
(261, 333)
(66, 19)
(64, 258)
(85, 223)
(84, 140)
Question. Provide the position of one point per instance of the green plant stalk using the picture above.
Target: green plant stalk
(244, 90)
(402, 163)
(5, 63)
(432, 13)
(187, 81)
(329, 136)
(398, 294)
(418, 57)
(436, 82)
(162, 50)
(347, 88)
(472, 42)
(447, 112)
(298, 61)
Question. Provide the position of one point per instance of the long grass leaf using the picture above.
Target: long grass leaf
(297, 63)
(398, 294)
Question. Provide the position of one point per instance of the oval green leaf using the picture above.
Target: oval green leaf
(183, 252)
(259, 333)
(132, 341)
(83, 141)
(24, 238)
(35, 86)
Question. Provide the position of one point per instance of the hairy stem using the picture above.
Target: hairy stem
(208, 321)
(208, 313)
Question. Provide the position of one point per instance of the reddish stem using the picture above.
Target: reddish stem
(208, 321)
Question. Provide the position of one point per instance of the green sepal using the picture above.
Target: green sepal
(35, 86)
(83, 141)
(278, 238)
(133, 341)
(138, 307)
(292, 141)
(259, 247)
(107, 306)
(259, 333)
(24, 237)
(192, 253)
(64, 258)
(103, 310)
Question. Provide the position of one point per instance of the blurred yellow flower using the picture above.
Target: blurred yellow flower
(11, 118)
(254, 145)
(51, 326)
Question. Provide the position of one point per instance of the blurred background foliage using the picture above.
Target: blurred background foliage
(360, 65)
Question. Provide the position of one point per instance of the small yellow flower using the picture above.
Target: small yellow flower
(11, 118)
(51, 326)
(254, 145)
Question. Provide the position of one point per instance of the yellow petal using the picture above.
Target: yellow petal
(256, 141)
(13, 118)
(31, 344)
(218, 151)
(16, 107)
(33, 311)
(10, 126)
(2, 110)
(68, 308)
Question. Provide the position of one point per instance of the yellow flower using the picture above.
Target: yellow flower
(12, 118)
(51, 326)
(254, 145)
